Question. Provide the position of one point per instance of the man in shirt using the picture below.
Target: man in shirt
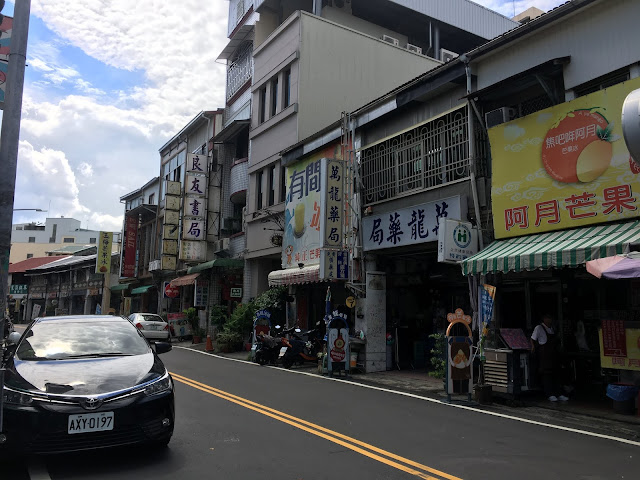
(544, 342)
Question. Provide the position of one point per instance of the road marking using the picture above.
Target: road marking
(322, 432)
(435, 400)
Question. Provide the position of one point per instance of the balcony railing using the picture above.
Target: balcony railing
(240, 70)
(432, 154)
(239, 181)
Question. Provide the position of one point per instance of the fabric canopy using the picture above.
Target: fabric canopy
(120, 287)
(565, 248)
(295, 276)
(217, 263)
(141, 290)
(616, 267)
(184, 280)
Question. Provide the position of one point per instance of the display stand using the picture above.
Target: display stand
(459, 357)
(338, 351)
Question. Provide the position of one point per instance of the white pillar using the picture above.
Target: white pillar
(375, 321)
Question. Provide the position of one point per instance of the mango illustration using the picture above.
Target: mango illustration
(578, 148)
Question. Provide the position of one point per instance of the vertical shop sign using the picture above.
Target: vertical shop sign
(334, 265)
(103, 258)
(194, 211)
(457, 240)
(332, 205)
(202, 295)
(170, 226)
(614, 339)
(487, 298)
(130, 246)
(126, 306)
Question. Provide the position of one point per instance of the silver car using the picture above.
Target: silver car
(152, 326)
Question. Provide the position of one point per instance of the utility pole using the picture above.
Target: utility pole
(9, 155)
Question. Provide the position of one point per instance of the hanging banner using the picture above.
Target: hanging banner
(303, 216)
(487, 298)
(6, 29)
(103, 258)
(130, 246)
(614, 338)
(564, 167)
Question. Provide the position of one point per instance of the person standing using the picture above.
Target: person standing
(544, 342)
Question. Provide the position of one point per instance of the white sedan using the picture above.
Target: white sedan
(152, 326)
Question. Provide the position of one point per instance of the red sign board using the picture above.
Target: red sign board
(130, 246)
(171, 292)
(614, 338)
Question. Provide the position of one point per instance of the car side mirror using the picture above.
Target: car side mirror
(163, 347)
(13, 338)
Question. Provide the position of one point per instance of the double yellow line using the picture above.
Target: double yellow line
(383, 456)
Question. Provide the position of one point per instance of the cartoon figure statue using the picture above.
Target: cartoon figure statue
(459, 352)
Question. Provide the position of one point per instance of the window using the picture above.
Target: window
(29, 255)
(283, 183)
(259, 190)
(274, 97)
(18, 228)
(272, 185)
(32, 239)
(152, 199)
(68, 240)
(262, 105)
(287, 88)
(92, 240)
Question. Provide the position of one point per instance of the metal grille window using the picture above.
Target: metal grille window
(239, 70)
(427, 156)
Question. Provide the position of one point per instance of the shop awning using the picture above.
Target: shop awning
(120, 288)
(184, 280)
(217, 263)
(141, 290)
(295, 276)
(565, 248)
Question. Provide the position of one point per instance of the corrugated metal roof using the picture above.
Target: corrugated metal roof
(67, 262)
(463, 14)
(29, 263)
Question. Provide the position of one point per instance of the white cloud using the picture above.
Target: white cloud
(82, 151)
(511, 8)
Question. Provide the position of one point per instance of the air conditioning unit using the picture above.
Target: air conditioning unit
(391, 40)
(498, 116)
(414, 48)
(222, 245)
(447, 55)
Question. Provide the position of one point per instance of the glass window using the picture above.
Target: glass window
(29, 255)
(68, 240)
(287, 88)
(152, 198)
(272, 185)
(274, 97)
(283, 183)
(59, 340)
(259, 190)
(32, 239)
(92, 240)
(262, 104)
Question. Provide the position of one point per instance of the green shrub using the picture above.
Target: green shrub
(218, 316)
(438, 355)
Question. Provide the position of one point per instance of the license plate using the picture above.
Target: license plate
(283, 350)
(90, 422)
(154, 327)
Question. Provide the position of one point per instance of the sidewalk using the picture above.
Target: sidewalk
(594, 417)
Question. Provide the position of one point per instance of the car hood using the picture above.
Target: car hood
(88, 376)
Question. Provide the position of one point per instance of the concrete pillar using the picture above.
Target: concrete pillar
(375, 321)
(87, 304)
(436, 41)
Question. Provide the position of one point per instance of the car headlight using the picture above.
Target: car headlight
(15, 397)
(159, 386)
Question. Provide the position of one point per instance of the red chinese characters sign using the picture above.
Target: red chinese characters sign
(130, 246)
(614, 339)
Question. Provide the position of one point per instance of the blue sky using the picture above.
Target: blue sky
(108, 83)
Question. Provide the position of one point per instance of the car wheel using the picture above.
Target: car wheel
(163, 443)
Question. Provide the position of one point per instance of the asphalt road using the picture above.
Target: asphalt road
(241, 421)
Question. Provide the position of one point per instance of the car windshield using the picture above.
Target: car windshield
(65, 340)
(149, 317)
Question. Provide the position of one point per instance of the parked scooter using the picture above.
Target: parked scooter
(298, 350)
(268, 347)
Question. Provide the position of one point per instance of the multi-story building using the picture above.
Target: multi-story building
(195, 240)
(314, 60)
(139, 230)
(35, 239)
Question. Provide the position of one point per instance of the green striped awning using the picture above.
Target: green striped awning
(564, 248)
(141, 290)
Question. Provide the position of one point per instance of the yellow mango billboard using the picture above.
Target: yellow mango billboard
(564, 167)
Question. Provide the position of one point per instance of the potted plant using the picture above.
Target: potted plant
(193, 319)
(228, 340)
